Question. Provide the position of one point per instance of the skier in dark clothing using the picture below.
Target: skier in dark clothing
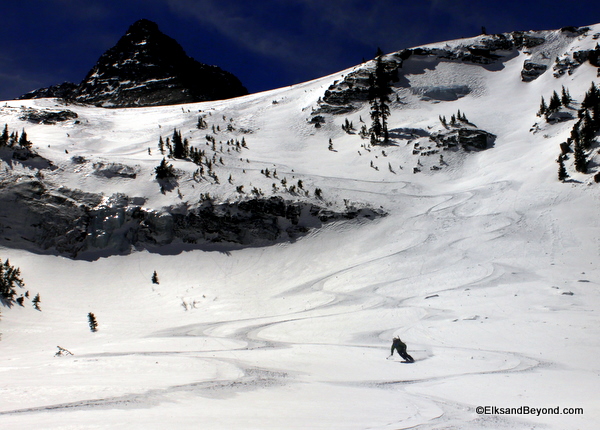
(400, 346)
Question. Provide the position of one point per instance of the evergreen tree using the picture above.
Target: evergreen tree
(161, 145)
(4, 136)
(178, 145)
(554, 103)
(376, 127)
(562, 171)
(164, 170)
(565, 97)
(543, 108)
(23, 142)
(10, 278)
(379, 91)
(363, 133)
(186, 147)
(13, 139)
(581, 162)
(36, 302)
(592, 97)
(587, 131)
(92, 322)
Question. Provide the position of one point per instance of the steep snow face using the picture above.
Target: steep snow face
(486, 265)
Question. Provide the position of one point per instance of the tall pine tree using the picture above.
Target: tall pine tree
(379, 92)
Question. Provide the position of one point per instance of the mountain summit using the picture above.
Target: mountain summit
(148, 68)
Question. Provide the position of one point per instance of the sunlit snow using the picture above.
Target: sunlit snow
(486, 268)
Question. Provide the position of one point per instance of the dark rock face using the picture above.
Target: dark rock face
(532, 71)
(38, 116)
(148, 68)
(78, 224)
(60, 91)
(467, 137)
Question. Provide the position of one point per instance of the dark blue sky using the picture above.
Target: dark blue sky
(266, 43)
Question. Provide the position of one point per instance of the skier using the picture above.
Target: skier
(400, 346)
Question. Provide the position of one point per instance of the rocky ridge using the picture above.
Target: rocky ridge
(488, 51)
(79, 224)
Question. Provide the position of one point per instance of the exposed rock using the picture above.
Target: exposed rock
(47, 116)
(574, 31)
(148, 68)
(441, 93)
(74, 223)
(112, 170)
(531, 71)
(465, 136)
(568, 62)
(60, 91)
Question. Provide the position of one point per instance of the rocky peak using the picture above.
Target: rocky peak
(148, 68)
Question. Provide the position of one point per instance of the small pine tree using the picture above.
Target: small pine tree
(23, 142)
(164, 170)
(554, 103)
(92, 322)
(36, 302)
(161, 145)
(543, 108)
(565, 97)
(179, 147)
(4, 136)
(581, 162)
(364, 133)
(562, 171)
(155, 278)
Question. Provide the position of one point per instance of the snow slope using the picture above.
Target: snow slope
(486, 268)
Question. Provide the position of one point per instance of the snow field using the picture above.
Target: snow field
(487, 269)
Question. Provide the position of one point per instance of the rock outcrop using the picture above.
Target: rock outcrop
(78, 224)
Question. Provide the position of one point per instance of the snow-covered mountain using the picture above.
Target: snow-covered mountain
(289, 249)
(146, 68)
